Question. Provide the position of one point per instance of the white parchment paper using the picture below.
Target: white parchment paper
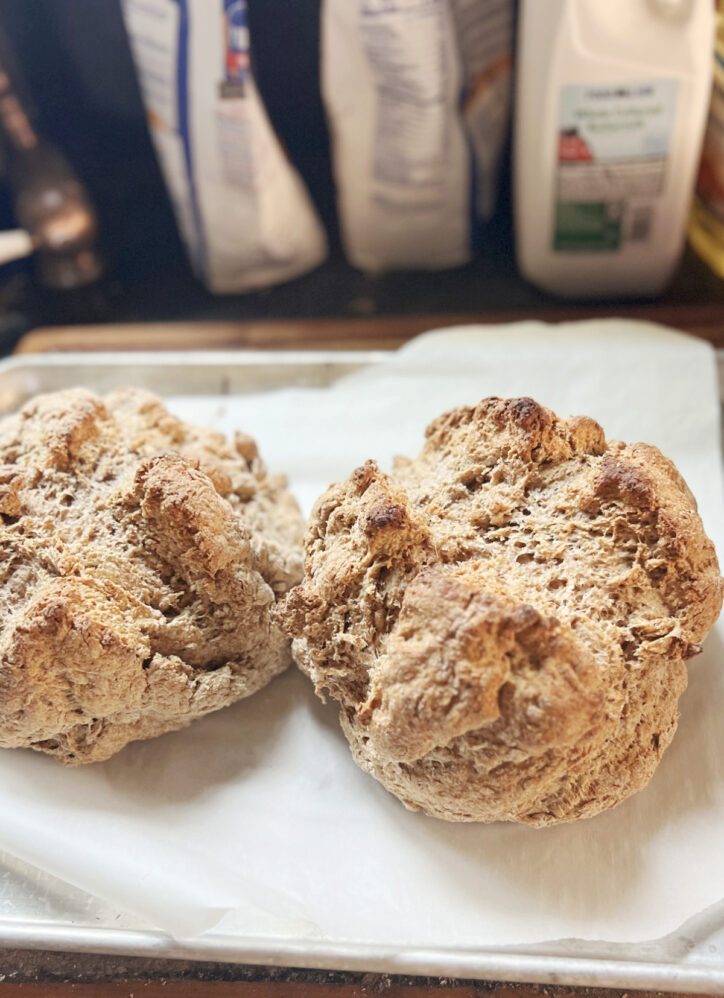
(255, 820)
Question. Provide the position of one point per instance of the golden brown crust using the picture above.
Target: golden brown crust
(504, 620)
(140, 559)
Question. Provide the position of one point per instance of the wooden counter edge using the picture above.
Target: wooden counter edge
(386, 332)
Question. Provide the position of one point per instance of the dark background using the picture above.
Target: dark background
(80, 80)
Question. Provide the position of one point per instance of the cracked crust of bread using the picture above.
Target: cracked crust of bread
(141, 557)
(504, 621)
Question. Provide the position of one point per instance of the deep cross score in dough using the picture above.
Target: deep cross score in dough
(504, 621)
(139, 561)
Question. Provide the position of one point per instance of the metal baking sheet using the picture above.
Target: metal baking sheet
(39, 912)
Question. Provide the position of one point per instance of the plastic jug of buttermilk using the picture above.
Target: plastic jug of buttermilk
(611, 106)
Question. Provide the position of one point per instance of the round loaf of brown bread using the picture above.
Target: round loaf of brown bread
(505, 620)
(139, 560)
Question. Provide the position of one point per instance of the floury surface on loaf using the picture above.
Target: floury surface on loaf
(504, 621)
(140, 559)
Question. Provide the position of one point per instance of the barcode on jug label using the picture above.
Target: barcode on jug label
(640, 224)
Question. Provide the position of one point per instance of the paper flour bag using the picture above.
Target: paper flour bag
(391, 84)
(244, 214)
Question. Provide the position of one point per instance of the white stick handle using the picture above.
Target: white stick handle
(15, 244)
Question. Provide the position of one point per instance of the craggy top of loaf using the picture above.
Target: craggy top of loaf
(504, 619)
(140, 558)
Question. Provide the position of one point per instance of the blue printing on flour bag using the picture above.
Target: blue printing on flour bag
(237, 64)
(198, 249)
(237, 69)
